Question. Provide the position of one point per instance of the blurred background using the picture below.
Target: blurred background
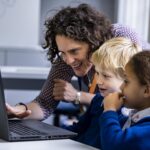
(22, 59)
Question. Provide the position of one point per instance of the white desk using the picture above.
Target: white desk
(66, 144)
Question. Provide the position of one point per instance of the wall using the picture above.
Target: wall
(19, 34)
(19, 23)
(136, 14)
(23, 56)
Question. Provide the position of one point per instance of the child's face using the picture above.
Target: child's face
(133, 91)
(107, 82)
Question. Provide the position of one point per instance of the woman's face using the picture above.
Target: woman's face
(75, 54)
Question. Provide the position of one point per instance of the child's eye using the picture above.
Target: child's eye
(106, 76)
(97, 73)
(126, 81)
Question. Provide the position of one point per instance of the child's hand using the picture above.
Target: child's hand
(113, 101)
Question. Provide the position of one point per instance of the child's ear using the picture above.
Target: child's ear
(147, 91)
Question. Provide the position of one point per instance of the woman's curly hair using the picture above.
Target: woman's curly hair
(82, 23)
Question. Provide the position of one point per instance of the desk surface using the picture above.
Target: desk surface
(65, 144)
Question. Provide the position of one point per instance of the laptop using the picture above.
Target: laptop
(27, 130)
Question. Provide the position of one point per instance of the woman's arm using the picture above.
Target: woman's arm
(64, 90)
(44, 104)
(27, 111)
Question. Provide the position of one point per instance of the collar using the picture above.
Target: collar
(138, 115)
(135, 116)
(126, 111)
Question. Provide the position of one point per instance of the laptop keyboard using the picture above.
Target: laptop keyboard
(18, 128)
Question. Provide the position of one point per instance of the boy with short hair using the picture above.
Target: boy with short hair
(109, 60)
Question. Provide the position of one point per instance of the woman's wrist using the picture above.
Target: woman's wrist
(20, 104)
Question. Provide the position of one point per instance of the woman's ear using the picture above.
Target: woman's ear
(147, 91)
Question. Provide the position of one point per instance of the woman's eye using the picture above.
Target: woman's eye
(74, 51)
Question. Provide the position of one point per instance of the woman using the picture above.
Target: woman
(72, 35)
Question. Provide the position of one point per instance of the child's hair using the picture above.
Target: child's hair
(140, 64)
(114, 54)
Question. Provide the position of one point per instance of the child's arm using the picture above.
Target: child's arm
(114, 138)
(81, 125)
(84, 120)
(112, 135)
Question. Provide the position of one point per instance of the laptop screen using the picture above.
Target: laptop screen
(3, 113)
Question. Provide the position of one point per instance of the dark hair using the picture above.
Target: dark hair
(82, 23)
(140, 63)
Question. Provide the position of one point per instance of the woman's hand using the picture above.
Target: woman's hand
(17, 111)
(64, 90)
(113, 101)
